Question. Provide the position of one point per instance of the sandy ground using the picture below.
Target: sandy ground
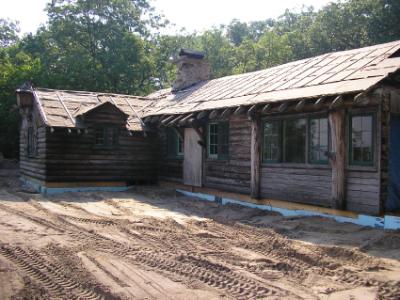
(150, 243)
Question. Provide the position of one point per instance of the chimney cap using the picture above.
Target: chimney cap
(191, 53)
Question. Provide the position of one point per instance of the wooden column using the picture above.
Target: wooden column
(337, 123)
(255, 156)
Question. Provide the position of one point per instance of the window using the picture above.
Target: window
(174, 143)
(106, 136)
(361, 140)
(272, 141)
(294, 141)
(218, 140)
(319, 140)
(31, 142)
(285, 140)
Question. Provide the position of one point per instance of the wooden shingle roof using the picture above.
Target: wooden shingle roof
(328, 74)
(61, 108)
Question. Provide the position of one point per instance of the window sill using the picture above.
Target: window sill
(362, 168)
(296, 166)
(210, 159)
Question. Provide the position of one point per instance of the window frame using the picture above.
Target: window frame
(172, 133)
(180, 144)
(351, 162)
(307, 161)
(217, 156)
(115, 137)
(280, 128)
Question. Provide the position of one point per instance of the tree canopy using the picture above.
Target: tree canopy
(114, 46)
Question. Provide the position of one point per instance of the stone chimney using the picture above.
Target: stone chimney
(192, 68)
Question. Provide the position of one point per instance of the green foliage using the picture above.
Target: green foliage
(8, 32)
(111, 46)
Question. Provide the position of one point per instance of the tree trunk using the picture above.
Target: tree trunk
(338, 158)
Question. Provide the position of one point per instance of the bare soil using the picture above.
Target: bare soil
(150, 243)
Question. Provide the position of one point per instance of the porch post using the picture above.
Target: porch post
(338, 157)
(255, 156)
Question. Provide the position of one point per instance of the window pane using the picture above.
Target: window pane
(223, 140)
(318, 140)
(272, 141)
(213, 139)
(362, 139)
(180, 146)
(294, 141)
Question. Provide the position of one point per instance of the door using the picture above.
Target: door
(393, 201)
(193, 158)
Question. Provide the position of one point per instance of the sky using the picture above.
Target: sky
(193, 15)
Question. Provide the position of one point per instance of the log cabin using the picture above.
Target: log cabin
(323, 131)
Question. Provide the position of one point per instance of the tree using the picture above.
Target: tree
(96, 45)
(8, 32)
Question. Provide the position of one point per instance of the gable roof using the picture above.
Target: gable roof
(83, 110)
(60, 108)
(328, 74)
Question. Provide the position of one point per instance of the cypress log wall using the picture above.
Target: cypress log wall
(170, 168)
(73, 157)
(232, 174)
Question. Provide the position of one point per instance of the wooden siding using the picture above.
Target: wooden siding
(305, 185)
(33, 166)
(73, 157)
(170, 168)
(363, 191)
(232, 174)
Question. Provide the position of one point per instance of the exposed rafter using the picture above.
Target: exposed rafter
(240, 110)
(300, 105)
(226, 113)
(187, 117)
(203, 114)
(266, 108)
(338, 101)
(283, 107)
(214, 114)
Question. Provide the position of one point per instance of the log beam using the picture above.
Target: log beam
(283, 107)
(300, 105)
(166, 120)
(214, 114)
(251, 112)
(239, 110)
(175, 120)
(203, 114)
(319, 102)
(338, 157)
(183, 120)
(255, 157)
(226, 113)
(338, 101)
(266, 108)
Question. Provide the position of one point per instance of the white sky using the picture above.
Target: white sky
(193, 15)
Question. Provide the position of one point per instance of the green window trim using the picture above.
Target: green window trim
(106, 137)
(368, 162)
(319, 161)
(276, 152)
(267, 155)
(218, 140)
(175, 145)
